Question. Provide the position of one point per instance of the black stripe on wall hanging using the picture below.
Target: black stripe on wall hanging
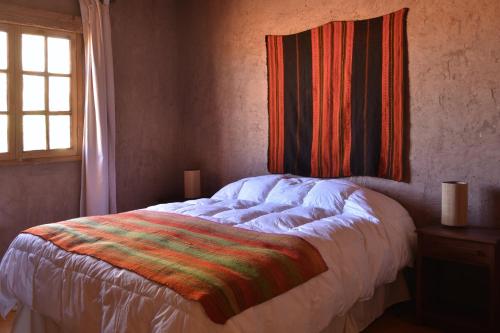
(337, 99)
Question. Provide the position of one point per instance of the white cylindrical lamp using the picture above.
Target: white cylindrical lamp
(454, 203)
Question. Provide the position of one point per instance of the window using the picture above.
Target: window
(40, 74)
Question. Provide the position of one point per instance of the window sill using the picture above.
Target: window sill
(42, 160)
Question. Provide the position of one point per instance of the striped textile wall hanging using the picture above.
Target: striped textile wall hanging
(337, 98)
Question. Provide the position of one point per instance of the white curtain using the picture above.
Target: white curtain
(98, 195)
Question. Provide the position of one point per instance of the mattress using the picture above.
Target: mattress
(364, 237)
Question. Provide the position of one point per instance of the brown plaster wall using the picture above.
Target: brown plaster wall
(454, 65)
(148, 122)
(36, 194)
(147, 119)
(70, 7)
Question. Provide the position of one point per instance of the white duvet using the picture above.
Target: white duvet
(364, 237)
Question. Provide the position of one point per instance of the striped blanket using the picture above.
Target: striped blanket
(226, 269)
(337, 99)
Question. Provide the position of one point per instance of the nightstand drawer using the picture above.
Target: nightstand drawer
(457, 250)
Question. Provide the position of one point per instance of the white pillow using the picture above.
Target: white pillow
(290, 191)
(257, 188)
(230, 191)
(330, 194)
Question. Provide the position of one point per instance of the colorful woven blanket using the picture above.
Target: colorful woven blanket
(226, 269)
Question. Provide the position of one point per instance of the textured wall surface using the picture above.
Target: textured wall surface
(454, 65)
(147, 118)
(36, 194)
(70, 7)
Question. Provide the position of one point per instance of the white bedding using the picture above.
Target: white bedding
(364, 237)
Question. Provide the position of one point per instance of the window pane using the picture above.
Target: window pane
(34, 133)
(59, 131)
(33, 53)
(3, 92)
(59, 93)
(59, 55)
(4, 145)
(3, 50)
(33, 93)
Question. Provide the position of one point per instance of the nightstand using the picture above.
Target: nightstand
(458, 278)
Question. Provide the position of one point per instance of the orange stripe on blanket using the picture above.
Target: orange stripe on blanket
(205, 245)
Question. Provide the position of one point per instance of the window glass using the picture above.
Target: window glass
(33, 93)
(3, 92)
(59, 88)
(60, 132)
(4, 147)
(59, 60)
(34, 135)
(3, 50)
(33, 49)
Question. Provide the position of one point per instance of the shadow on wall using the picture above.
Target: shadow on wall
(490, 206)
(203, 120)
(8, 234)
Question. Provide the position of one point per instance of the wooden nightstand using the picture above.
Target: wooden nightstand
(458, 278)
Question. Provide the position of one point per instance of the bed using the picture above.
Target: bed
(364, 237)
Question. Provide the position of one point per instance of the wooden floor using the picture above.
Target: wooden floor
(397, 319)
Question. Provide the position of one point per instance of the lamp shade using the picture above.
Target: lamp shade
(454, 203)
(192, 186)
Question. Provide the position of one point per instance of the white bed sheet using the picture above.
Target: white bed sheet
(364, 237)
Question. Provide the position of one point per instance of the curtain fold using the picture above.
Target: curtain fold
(98, 190)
